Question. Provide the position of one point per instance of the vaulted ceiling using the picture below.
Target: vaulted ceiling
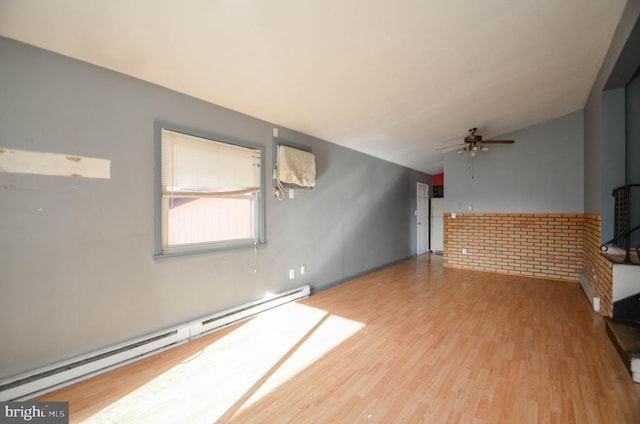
(395, 79)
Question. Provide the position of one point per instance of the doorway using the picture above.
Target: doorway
(422, 216)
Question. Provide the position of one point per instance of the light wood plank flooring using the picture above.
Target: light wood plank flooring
(412, 343)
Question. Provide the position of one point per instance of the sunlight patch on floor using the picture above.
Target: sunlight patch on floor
(332, 331)
(236, 370)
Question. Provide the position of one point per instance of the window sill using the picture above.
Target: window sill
(191, 250)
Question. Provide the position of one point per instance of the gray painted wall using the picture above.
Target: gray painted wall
(542, 172)
(633, 131)
(617, 68)
(633, 150)
(77, 263)
(612, 153)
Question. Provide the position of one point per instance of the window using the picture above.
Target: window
(209, 193)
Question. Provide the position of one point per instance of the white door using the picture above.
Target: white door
(437, 225)
(422, 214)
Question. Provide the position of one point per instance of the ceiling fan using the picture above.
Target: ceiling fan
(474, 143)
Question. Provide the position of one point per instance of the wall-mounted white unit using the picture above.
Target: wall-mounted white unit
(295, 166)
(437, 224)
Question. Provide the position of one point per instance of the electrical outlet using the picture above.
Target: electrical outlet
(453, 215)
(292, 193)
(303, 269)
(464, 251)
(292, 274)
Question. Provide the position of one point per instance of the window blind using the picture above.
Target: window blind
(198, 166)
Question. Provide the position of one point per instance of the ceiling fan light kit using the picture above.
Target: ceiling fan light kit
(474, 143)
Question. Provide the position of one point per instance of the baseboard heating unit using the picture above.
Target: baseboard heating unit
(44, 380)
(588, 291)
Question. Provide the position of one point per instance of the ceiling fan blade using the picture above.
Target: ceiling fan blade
(498, 141)
(450, 147)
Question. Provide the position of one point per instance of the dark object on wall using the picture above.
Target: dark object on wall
(627, 309)
(438, 191)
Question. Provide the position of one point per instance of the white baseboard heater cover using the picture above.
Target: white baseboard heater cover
(47, 379)
(588, 291)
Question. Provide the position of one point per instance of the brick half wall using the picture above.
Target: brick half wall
(598, 270)
(553, 246)
(537, 245)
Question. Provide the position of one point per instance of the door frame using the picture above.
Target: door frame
(422, 222)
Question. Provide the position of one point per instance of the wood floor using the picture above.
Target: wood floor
(412, 343)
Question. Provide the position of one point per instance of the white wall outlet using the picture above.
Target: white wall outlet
(275, 131)
(292, 274)
(303, 269)
(464, 251)
(470, 208)
(292, 193)
(453, 215)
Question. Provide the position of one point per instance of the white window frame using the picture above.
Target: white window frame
(162, 247)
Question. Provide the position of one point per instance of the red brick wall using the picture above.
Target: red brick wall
(552, 246)
(598, 270)
(536, 245)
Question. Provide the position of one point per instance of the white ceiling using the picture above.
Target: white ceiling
(394, 79)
